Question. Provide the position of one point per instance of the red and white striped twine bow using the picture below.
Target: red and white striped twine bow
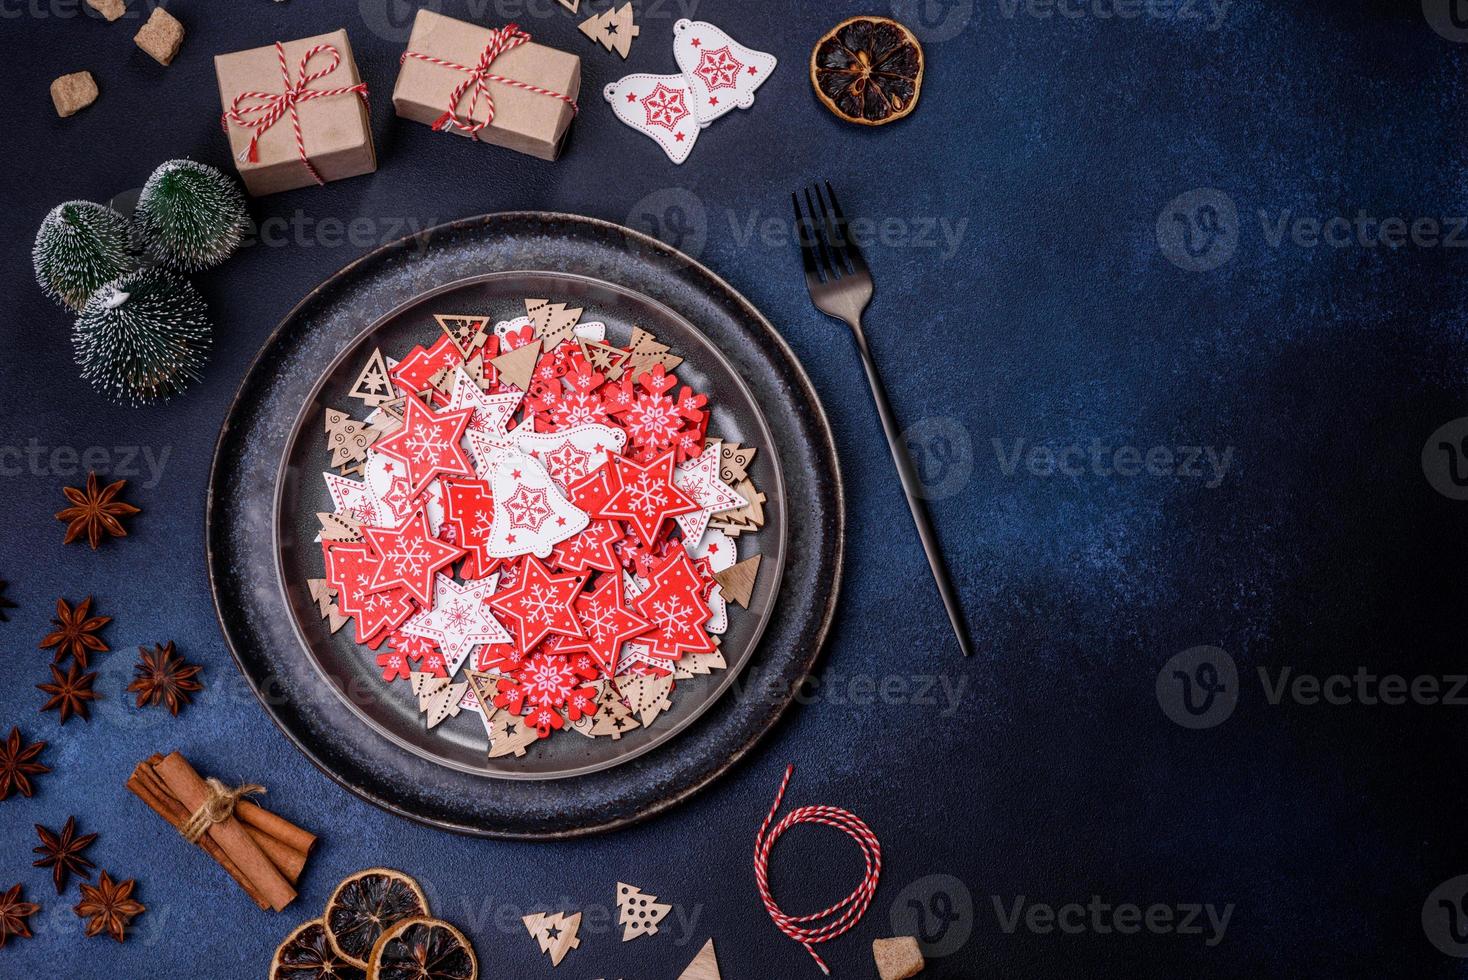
(272, 105)
(500, 40)
(845, 913)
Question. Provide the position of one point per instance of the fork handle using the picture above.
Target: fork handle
(913, 489)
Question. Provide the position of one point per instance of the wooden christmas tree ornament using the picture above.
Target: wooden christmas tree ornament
(612, 717)
(647, 695)
(556, 933)
(734, 461)
(552, 321)
(347, 438)
(647, 351)
(510, 735)
(518, 366)
(338, 527)
(638, 913)
(325, 598)
(468, 333)
(613, 30)
(438, 697)
(705, 965)
(372, 385)
(604, 359)
(737, 581)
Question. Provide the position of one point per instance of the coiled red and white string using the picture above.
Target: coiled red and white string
(818, 927)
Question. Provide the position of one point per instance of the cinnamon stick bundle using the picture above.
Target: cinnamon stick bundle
(263, 852)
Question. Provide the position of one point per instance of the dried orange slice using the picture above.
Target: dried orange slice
(306, 954)
(365, 906)
(423, 949)
(868, 70)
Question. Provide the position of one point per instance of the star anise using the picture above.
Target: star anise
(164, 677)
(75, 632)
(109, 905)
(69, 692)
(94, 512)
(18, 763)
(62, 852)
(5, 602)
(13, 915)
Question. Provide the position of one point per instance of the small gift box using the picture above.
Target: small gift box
(296, 113)
(493, 84)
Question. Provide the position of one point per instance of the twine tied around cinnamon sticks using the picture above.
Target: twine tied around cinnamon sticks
(262, 851)
(217, 807)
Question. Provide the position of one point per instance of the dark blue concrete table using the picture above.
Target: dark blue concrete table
(1172, 296)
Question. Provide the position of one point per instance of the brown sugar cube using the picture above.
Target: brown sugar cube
(73, 93)
(897, 959)
(111, 9)
(160, 36)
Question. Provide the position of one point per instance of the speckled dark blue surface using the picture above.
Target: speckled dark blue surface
(1056, 318)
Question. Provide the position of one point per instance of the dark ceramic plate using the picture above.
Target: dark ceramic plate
(321, 688)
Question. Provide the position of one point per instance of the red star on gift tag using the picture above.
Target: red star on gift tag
(607, 623)
(409, 555)
(645, 496)
(540, 604)
(428, 444)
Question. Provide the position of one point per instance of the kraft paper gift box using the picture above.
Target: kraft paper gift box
(527, 121)
(335, 130)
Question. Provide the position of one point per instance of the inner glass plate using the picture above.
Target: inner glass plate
(300, 493)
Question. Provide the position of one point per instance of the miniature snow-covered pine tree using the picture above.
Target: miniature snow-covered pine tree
(144, 337)
(79, 248)
(191, 215)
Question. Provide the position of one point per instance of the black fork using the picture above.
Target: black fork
(841, 286)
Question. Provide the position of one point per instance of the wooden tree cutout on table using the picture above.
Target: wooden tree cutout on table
(647, 695)
(347, 438)
(647, 351)
(556, 933)
(604, 359)
(613, 30)
(705, 965)
(638, 913)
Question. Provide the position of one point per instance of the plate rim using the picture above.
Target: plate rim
(822, 627)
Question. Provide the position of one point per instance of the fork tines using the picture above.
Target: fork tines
(834, 254)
